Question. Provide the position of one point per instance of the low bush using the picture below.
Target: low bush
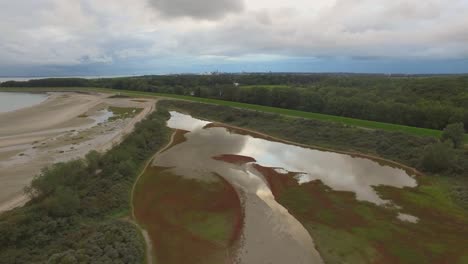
(73, 214)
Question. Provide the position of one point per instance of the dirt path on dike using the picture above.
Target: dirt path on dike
(133, 220)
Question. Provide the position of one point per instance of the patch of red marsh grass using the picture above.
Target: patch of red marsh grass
(313, 200)
(276, 181)
(234, 159)
(188, 221)
(440, 236)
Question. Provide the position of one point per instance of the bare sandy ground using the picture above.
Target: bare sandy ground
(64, 127)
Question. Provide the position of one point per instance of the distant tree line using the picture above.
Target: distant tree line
(52, 82)
(422, 101)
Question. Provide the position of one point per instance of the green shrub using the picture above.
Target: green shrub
(438, 157)
(454, 133)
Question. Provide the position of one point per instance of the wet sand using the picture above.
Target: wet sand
(64, 127)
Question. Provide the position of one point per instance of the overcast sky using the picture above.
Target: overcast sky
(105, 37)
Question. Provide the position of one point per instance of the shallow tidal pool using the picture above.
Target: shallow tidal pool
(229, 195)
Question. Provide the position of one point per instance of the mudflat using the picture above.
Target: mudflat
(66, 126)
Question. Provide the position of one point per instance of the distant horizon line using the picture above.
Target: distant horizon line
(227, 73)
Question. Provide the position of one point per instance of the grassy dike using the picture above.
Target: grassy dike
(79, 209)
(348, 231)
(287, 112)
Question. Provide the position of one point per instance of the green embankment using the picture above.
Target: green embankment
(294, 113)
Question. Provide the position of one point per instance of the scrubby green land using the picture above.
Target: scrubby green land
(347, 231)
(78, 209)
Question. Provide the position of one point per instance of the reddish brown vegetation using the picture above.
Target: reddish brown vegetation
(320, 197)
(277, 181)
(170, 207)
(316, 204)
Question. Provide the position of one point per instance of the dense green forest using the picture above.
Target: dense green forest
(420, 101)
(78, 209)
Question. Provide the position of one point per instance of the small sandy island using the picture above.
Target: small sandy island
(64, 127)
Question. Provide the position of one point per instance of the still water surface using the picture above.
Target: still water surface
(268, 226)
(338, 171)
(14, 101)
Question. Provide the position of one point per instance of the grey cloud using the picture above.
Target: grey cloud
(83, 32)
(363, 15)
(348, 29)
(263, 17)
(199, 9)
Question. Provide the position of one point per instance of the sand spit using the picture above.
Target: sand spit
(64, 127)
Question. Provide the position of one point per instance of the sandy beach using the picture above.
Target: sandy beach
(66, 126)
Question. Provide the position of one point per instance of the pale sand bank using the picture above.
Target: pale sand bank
(62, 128)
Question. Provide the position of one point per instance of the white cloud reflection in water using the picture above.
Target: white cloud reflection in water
(338, 171)
(268, 226)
